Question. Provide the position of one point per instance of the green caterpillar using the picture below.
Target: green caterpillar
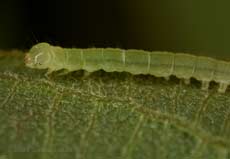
(159, 64)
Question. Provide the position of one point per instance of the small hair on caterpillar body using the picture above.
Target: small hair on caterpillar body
(159, 64)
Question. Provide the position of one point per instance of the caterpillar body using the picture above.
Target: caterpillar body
(159, 64)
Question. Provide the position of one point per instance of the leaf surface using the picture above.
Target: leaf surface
(108, 115)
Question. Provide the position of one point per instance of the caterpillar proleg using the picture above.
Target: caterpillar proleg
(159, 64)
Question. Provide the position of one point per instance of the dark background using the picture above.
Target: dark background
(198, 26)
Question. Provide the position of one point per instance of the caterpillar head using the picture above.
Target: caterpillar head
(39, 56)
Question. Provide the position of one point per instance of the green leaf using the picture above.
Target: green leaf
(108, 115)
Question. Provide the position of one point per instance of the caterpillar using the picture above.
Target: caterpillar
(159, 64)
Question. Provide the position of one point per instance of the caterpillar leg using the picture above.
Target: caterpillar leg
(63, 72)
(187, 81)
(205, 85)
(167, 78)
(222, 87)
(86, 74)
(49, 71)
